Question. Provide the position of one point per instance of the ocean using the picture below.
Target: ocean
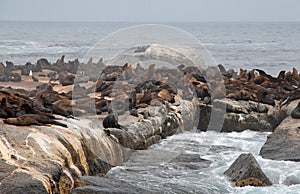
(269, 46)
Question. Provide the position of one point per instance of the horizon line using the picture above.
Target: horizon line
(114, 21)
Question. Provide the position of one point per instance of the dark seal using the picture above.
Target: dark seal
(111, 122)
(296, 112)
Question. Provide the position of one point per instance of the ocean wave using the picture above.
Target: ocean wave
(252, 44)
(18, 42)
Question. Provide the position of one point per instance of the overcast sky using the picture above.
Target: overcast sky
(150, 10)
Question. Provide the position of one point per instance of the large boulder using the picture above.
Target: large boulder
(245, 170)
(284, 143)
(170, 53)
(244, 115)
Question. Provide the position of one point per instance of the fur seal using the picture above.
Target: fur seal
(293, 96)
(32, 119)
(296, 112)
(111, 122)
(5, 111)
(146, 98)
(9, 64)
(14, 77)
(66, 80)
(35, 79)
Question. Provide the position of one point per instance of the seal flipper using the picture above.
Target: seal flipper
(59, 124)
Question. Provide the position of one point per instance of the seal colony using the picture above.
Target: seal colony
(141, 87)
(59, 93)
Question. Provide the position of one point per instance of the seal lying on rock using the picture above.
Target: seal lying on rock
(296, 112)
(111, 122)
(32, 119)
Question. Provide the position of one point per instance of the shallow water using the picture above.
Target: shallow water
(155, 170)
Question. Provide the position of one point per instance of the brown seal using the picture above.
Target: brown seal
(5, 111)
(32, 119)
(66, 80)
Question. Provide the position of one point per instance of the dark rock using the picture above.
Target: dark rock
(106, 185)
(246, 171)
(5, 169)
(21, 182)
(284, 143)
(191, 161)
(170, 126)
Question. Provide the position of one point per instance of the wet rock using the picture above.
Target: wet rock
(190, 161)
(244, 115)
(106, 185)
(284, 143)
(246, 171)
(291, 180)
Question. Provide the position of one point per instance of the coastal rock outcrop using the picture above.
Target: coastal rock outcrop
(105, 185)
(242, 115)
(50, 159)
(245, 171)
(284, 143)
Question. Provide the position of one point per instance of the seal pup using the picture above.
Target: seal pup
(296, 112)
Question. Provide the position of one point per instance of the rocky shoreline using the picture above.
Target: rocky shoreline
(51, 155)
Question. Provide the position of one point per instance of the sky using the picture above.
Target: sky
(150, 10)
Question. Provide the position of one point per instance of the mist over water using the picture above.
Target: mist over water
(270, 46)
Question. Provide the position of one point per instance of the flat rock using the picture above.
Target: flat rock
(245, 170)
(106, 185)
